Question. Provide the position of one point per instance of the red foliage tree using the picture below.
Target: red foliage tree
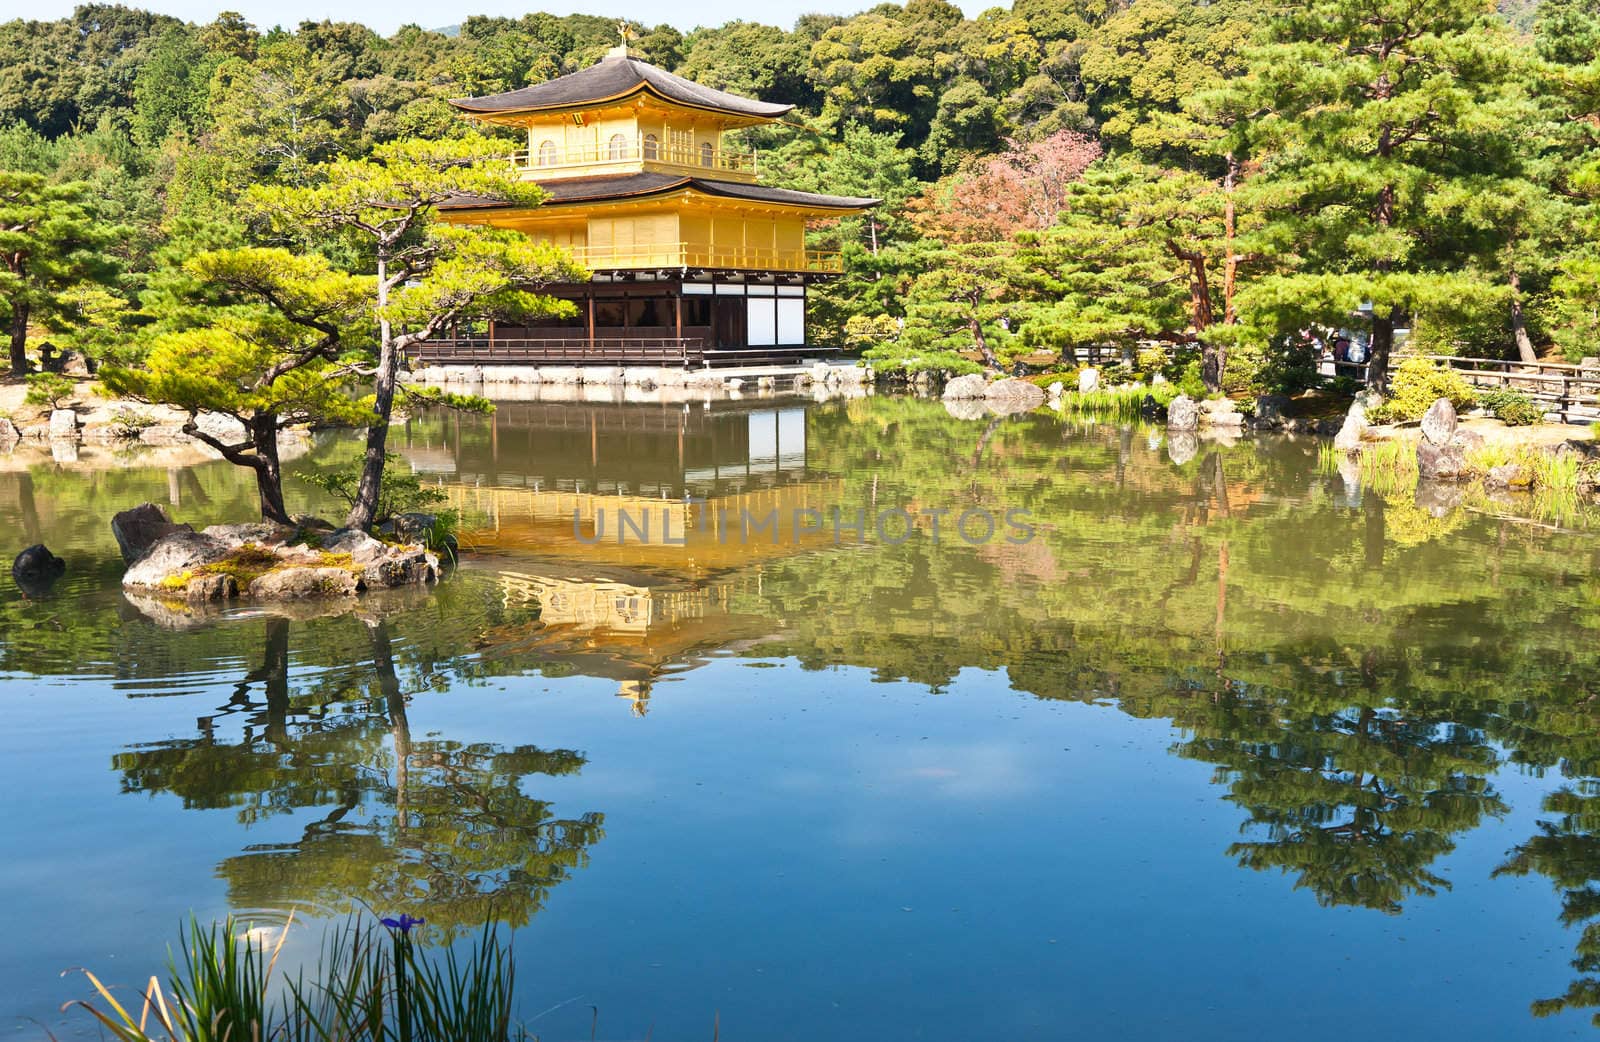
(1023, 188)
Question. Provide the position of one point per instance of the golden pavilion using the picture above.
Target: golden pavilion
(693, 261)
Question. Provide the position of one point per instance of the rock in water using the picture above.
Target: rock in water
(36, 569)
(178, 554)
(965, 388)
(63, 423)
(1221, 412)
(1447, 462)
(1270, 409)
(1013, 395)
(289, 584)
(9, 435)
(1355, 425)
(139, 529)
(1439, 422)
(1183, 414)
(1508, 475)
(1088, 380)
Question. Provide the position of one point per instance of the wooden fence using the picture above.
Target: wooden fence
(1569, 393)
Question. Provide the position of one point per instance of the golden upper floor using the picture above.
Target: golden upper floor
(624, 115)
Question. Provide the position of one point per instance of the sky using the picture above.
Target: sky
(388, 15)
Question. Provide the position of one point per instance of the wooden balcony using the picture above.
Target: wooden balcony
(570, 350)
(636, 153)
(691, 255)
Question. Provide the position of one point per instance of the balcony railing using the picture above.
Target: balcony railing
(687, 255)
(684, 351)
(551, 156)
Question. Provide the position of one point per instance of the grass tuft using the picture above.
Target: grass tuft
(369, 984)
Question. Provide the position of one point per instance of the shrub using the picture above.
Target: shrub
(1417, 384)
(1512, 408)
(49, 389)
(402, 493)
(128, 422)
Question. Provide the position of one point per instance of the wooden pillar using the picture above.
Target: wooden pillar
(677, 311)
(491, 336)
(588, 294)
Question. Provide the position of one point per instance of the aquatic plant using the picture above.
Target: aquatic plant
(369, 984)
(1120, 403)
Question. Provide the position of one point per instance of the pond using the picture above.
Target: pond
(780, 734)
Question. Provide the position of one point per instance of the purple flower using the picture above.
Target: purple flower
(403, 924)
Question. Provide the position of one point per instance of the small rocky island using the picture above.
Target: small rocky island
(266, 562)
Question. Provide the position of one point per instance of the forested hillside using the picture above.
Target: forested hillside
(1202, 175)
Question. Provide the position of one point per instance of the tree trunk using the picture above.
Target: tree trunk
(989, 358)
(364, 511)
(1519, 324)
(269, 474)
(19, 338)
(1230, 265)
(1378, 356)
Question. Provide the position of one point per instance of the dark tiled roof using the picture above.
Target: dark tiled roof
(626, 186)
(615, 77)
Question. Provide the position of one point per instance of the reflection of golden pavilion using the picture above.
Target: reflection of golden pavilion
(633, 525)
(685, 489)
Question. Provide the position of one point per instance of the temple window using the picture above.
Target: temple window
(547, 153)
(652, 147)
(707, 154)
(618, 148)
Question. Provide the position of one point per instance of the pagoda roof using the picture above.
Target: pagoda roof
(613, 78)
(643, 185)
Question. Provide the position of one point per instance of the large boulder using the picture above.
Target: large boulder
(1088, 380)
(1183, 414)
(63, 423)
(965, 388)
(1439, 422)
(1508, 475)
(382, 565)
(288, 584)
(36, 569)
(139, 529)
(1446, 462)
(1355, 426)
(174, 557)
(1014, 395)
(261, 533)
(1270, 409)
(9, 435)
(1220, 412)
(225, 429)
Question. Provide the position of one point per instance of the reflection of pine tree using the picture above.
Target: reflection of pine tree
(434, 826)
(1358, 803)
(1567, 852)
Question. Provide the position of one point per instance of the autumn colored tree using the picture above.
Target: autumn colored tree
(1023, 188)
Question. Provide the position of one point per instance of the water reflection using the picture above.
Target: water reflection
(391, 821)
(1367, 678)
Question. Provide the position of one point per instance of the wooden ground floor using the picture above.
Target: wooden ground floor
(688, 319)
